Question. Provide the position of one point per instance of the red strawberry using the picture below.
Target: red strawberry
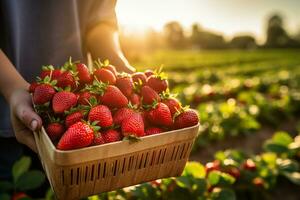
(84, 97)
(135, 99)
(63, 101)
(111, 68)
(46, 71)
(19, 196)
(105, 76)
(113, 97)
(139, 76)
(259, 182)
(102, 114)
(160, 115)
(186, 119)
(233, 171)
(148, 72)
(73, 118)
(149, 95)
(157, 83)
(210, 166)
(32, 87)
(173, 104)
(125, 84)
(146, 122)
(133, 125)
(250, 165)
(55, 130)
(43, 93)
(66, 79)
(98, 139)
(122, 114)
(77, 136)
(111, 136)
(83, 73)
(153, 130)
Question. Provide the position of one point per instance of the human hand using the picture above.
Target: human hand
(126, 68)
(23, 118)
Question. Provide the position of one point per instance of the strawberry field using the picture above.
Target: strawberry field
(248, 145)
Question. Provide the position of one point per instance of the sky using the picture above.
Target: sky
(230, 17)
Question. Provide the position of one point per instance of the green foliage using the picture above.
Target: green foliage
(20, 167)
(30, 180)
(24, 179)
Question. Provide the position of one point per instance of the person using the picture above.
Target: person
(35, 33)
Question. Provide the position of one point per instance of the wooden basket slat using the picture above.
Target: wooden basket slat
(79, 173)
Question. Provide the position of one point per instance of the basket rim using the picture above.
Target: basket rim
(69, 157)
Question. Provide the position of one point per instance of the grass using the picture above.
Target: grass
(216, 59)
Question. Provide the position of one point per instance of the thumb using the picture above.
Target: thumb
(29, 118)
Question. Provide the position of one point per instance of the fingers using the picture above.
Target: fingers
(23, 134)
(27, 138)
(28, 117)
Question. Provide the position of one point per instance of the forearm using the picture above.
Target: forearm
(10, 79)
(103, 42)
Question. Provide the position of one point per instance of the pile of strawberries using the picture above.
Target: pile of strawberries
(81, 107)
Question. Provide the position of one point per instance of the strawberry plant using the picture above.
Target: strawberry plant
(23, 180)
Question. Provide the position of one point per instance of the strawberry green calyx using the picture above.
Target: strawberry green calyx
(132, 139)
(181, 110)
(150, 106)
(158, 73)
(94, 126)
(47, 80)
(47, 67)
(78, 108)
(70, 66)
(53, 119)
(167, 94)
(99, 64)
(97, 87)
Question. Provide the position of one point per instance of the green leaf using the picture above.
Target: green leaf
(276, 148)
(20, 167)
(222, 194)
(220, 155)
(185, 182)
(214, 177)
(30, 180)
(293, 177)
(282, 138)
(49, 195)
(287, 165)
(5, 186)
(194, 169)
(4, 196)
(201, 186)
(269, 158)
(226, 179)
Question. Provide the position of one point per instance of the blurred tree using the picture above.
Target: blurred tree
(277, 36)
(243, 42)
(174, 35)
(205, 39)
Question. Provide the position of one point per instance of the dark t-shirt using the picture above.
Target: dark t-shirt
(35, 33)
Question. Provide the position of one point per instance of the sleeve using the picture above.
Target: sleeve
(93, 12)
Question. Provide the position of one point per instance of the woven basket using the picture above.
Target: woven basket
(83, 172)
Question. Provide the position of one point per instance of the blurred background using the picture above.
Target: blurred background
(238, 63)
(148, 26)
